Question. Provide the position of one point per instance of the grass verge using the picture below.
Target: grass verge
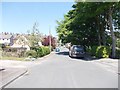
(13, 58)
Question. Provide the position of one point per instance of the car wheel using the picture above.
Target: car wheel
(69, 55)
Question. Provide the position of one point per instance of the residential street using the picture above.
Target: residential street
(63, 44)
(61, 71)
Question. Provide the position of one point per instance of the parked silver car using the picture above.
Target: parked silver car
(77, 51)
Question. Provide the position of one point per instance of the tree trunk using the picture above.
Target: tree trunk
(103, 34)
(112, 33)
(98, 30)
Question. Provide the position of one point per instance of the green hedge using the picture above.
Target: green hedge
(100, 51)
(93, 50)
(46, 50)
(31, 53)
(118, 53)
(103, 52)
(118, 43)
(41, 51)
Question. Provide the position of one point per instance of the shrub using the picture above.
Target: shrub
(41, 51)
(2, 46)
(118, 53)
(38, 50)
(102, 52)
(99, 51)
(118, 43)
(46, 50)
(31, 53)
(93, 50)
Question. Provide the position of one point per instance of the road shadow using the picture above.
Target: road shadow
(87, 57)
(63, 53)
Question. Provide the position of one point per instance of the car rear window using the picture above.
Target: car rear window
(78, 48)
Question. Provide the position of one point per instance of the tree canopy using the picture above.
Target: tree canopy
(91, 23)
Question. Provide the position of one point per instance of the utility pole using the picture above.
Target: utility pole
(50, 38)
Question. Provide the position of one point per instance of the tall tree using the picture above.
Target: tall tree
(90, 23)
(34, 36)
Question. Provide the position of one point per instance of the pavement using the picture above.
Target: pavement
(10, 74)
(15, 69)
(109, 64)
(12, 69)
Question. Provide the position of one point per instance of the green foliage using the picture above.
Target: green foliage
(103, 52)
(118, 43)
(34, 36)
(41, 51)
(118, 53)
(93, 50)
(2, 46)
(31, 53)
(100, 51)
(46, 50)
(0, 49)
(86, 24)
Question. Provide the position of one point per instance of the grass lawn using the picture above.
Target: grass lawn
(13, 58)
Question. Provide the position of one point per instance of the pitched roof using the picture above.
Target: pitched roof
(4, 36)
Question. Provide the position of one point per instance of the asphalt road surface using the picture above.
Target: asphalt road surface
(61, 71)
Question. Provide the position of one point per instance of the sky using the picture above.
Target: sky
(19, 17)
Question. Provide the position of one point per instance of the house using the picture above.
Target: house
(46, 41)
(6, 39)
(21, 41)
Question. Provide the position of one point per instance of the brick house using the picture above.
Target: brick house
(46, 41)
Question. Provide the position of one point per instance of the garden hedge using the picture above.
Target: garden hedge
(31, 53)
(100, 51)
(41, 51)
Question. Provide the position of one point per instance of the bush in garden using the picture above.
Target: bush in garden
(99, 52)
(93, 50)
(31, 53)
(46, 50)
(102, 52)
(41, 51)
(118, 43)
(2, 46)
(118, 53)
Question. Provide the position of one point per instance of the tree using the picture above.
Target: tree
(34, 36)
(91, 24)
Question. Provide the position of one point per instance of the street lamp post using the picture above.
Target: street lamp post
(50, 39)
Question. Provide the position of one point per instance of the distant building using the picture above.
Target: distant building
(6, 39)
(21, 41)
(46, 41)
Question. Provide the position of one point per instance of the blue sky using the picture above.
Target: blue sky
(18, 17)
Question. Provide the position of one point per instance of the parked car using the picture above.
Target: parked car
(77, 51)
(57, 49)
